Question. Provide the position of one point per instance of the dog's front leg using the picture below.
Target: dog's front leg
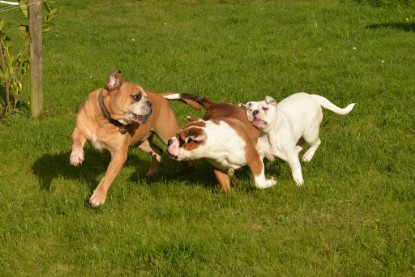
(257, 167)
(118, 159)
(78, 142)
(223, 179)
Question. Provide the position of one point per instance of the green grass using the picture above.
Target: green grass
(353, 217)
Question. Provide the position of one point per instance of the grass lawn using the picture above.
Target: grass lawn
(355, 214)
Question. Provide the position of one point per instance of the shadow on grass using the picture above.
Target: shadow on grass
(403, 26)
(53, 166)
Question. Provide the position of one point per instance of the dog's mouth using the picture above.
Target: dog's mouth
(259, 123)
(173, 148)
(139, 118)
(172, 155)
(175, 157)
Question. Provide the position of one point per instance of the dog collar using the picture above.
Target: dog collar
(123, 130)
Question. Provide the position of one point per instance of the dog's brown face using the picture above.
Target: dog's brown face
(188, 141)
(128, 101)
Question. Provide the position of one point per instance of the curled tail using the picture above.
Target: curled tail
(186, 97)
(325, 103)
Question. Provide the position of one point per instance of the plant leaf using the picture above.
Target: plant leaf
(47, 26)
(24, 8)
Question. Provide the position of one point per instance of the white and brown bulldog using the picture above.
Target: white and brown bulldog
(117, 116)
(224, 137)
(288, 126)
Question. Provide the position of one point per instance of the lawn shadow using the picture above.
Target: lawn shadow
(199, 173)
(52, 166)
(403, 26)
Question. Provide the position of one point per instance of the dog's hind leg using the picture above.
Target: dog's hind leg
(312, 138)
(155, 151)
(223, 179)
(311, 151)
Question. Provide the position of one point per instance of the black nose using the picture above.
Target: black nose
(255, 112)
(169, 142)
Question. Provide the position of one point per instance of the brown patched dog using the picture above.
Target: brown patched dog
(225, 138)
(117, 116)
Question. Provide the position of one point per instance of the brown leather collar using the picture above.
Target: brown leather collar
(122, 128)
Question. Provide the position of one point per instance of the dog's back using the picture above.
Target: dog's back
(221, 111)
(227, 111)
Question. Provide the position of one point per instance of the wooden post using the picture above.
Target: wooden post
(36, 61)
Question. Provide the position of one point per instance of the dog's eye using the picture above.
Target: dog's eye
(136, 97)
(265, 109)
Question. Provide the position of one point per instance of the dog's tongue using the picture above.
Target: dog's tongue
(259, 123)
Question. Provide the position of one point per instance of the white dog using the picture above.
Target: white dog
(287, 127)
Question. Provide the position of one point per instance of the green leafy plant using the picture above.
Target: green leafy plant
(15, 64)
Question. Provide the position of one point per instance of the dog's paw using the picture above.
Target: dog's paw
(307, 157)
(76, 158)
(272, 182)
(152, 171)
(97, 199)
(298, 182)
(267, 184)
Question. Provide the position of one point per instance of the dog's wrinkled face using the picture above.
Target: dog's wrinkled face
(261, 113)
(129, 101)
(188, 142)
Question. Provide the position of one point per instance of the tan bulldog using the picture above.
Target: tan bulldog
(117, 116)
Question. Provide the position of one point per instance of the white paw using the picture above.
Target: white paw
(307, 157)
(268, 183)
(298, 181)
(77, 157)
(271, 182)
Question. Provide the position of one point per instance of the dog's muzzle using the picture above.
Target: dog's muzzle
(173, 148)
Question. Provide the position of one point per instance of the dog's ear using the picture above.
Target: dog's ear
(270, 101)
(247, 105)
(114, 80)
(195, 134)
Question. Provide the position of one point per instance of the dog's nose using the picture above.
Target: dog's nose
(255, 112)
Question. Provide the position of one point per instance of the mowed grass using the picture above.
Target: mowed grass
(353, 217)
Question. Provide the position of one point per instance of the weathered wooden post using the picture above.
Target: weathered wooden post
(36, 61)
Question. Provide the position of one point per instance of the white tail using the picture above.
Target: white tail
(325, 103)
(173, 96)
